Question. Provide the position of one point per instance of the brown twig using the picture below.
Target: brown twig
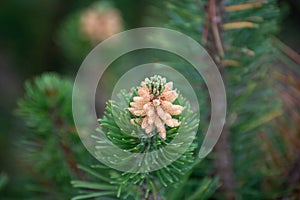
(223, 161)
(223, 164)
(61, 128)
(287, 50)
(205, 31)
(215, 19)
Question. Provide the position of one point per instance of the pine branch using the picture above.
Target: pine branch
(168, 111)
(224, 22)
(229, 43)
(214, 45)
(46, 109)
(212, 36)
(223, 164)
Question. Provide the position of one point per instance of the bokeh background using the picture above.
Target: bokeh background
(39, 36)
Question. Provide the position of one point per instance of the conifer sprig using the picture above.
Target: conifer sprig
(117, 126)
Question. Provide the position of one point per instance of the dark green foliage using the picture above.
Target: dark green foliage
(47, 101)
(50, 147)
(3, 180)
(72, 41)
(186, 16)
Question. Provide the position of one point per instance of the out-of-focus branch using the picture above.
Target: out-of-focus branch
(212, 36)
(288, 51)
(223, 164)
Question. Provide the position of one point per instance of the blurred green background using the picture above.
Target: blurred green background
(33, 38)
